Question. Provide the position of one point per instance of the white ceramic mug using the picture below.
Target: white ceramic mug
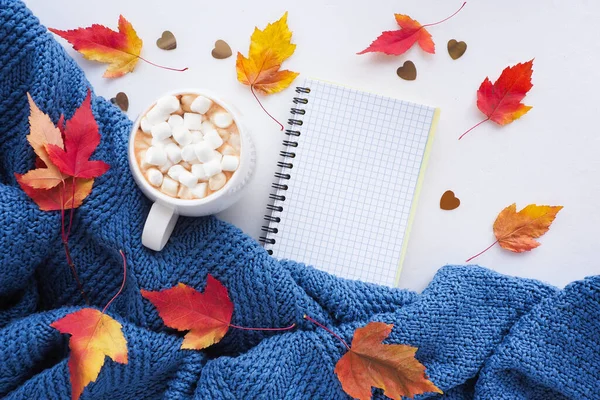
(166, 209)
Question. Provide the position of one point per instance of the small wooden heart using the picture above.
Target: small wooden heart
(456, 49)
(408, 71)
(167, 41)
(449, 201)
(121, 100)
(221, 50)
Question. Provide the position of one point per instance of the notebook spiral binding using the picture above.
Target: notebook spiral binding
(285, 165)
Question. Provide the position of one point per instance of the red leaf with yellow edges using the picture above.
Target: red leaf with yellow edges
(207, 316)
(391, 367)
(501, 101)
(121, 50)
(398, 42)
(60, 197)
(81, 140)
(94, 336)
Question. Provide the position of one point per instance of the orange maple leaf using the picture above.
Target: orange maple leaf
(268, 49)
(121, 50)
(206, 316)
(517, 231)
(501, 101)
(391, 367)
(398, 42)
(61, 197)
(94, 335)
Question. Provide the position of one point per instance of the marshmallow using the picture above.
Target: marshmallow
(234, 140)
(199, 191)
(213, 139)
(165, 167)
(196, 136)
(184, 193)
(173, 152)
(186, 101)
(160, 143)
(188, 153)
(155, 177)
(230, 163)
(201, 105)
(204, 151)
(199, 172)
(212, 167)
(145, 125)
(175, 120)
(169, 186)
(192, 121)
(161, 131)
(156, 156)
(222, 119)
(157, 115)
(142, 158)
(217, 181)
(224, 134)
(187, 178)
(207, 126)
(175, 171)
(182, 135)
(227, 150)
(168, 103)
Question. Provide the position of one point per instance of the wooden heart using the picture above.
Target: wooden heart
(449, 201)
(456, 49)
(408, 71)
(121, 100)
(221, 50)
(167, 41)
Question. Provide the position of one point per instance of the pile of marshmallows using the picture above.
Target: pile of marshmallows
(194, 146)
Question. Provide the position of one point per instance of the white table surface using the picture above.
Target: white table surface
(550, 156)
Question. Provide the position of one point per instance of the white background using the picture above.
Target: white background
(549, 156)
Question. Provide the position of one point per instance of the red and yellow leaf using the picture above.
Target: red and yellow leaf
(268, 49)
(94, 336)
(398, 42)
(81, 140)
(517, 231)
(121, 50)
(53, 199)
(207, 316)
(391, 367)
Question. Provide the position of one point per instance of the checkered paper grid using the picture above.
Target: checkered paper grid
(352, 183)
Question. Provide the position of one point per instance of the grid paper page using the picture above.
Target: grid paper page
(352, 183)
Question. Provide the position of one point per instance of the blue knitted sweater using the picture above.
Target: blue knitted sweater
(481, 335)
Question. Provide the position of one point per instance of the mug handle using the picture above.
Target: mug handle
(159, 226)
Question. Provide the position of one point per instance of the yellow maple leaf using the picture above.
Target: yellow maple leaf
(268, 49)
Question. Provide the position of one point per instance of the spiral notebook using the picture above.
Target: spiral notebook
(348, 180)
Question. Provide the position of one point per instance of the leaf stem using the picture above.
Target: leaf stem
(261, 106)
(162, 66)
(287, 328)
(122, 284)
(327, 329)
(473, 127)
(481, 252)
(447, 18)
(72, 208)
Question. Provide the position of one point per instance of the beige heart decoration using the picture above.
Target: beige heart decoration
(408, 71)
(167, 41)
(221, 50)
(456, 49)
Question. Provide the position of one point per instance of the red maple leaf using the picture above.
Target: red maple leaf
(81, 140)
(501, 101)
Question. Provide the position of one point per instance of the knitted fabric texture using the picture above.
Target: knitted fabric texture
(481, 335)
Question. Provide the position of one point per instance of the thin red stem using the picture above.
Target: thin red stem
(327, 329)
(72, 208)
(446, 19)
(261, 106)
(481, 252)
(287, 328)
(473, 127)
(122, 284)
(162, 66)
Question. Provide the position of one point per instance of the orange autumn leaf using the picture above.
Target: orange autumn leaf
(517, 231)
(121, 50)
(501, 101)
(398, 42)
(59, 197)
(268, 49)
(391, 367)
(206, 316)
(94, 335)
